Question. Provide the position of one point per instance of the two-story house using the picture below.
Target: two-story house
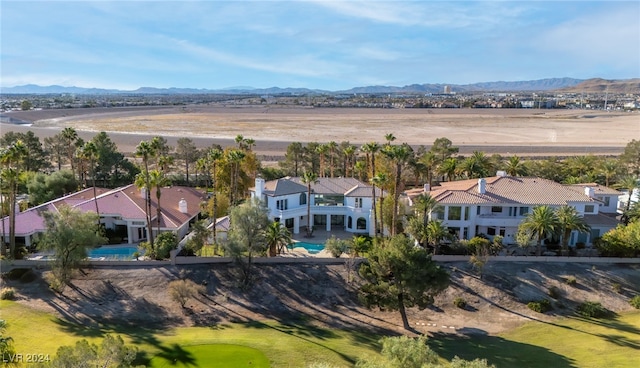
(336, 203)
(497, 205)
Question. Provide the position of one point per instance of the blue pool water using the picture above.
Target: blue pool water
(120, 253)
(310, 247)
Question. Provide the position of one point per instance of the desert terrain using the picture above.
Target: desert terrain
(496, 303)
(526, 132)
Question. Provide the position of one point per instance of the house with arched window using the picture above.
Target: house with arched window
(336, 203)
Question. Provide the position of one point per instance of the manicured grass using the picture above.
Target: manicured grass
(290, 344)
(220, 355)
(568, 342)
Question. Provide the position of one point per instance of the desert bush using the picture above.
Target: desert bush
(15, 274)
(554, 292)
(592, 310)
(616, 287)
(635, 302)
(540, 306)
(336, 246)
(28, 276)
(7, 293)
(571, 281)
(460, 302)
(182, 290)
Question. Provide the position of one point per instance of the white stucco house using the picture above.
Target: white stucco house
(336, 203)
(497, 205)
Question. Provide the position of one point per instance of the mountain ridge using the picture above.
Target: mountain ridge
(546, 84)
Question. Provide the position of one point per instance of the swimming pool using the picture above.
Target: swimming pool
(310, 247)
(118, 252)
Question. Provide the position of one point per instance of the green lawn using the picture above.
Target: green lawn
(291, 344)
(568, 342)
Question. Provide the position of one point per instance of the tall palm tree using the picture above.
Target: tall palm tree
(322, 150)
(541, 223)
(240, 141)
(277, 238)
(309, 178)
(250, 142)
(379, 180)
(449, 168)
(399, 155)
(389, 137)
(332, 148)
(158, 180)
(349, 155)
(629, 183)
(70, 137)
(609, 168)
(145, 151)
(568, 221)
(90, 152)
(12, 161)
(430, 162)
(478, 165)
(213, 157)
(360, 168)
(234, 157)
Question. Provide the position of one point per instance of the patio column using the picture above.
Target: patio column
(296, 225)
(329, 222)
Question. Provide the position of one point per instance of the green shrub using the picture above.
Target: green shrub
(592, 310)
(7, 293)
(554, 292)
(336, 246)
(617, 287)
(460, 302)
(571, 281)
(540, 306)
(28, 276)
(15, 274)
(635, 302)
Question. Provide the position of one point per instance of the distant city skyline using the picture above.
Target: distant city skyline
(329, 45)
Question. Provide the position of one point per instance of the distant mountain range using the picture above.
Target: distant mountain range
(549, 84)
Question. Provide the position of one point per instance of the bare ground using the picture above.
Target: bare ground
(505, 131)
(137, 297)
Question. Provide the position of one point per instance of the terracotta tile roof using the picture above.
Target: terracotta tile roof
(500, 190)
(283, 186)
(344, 186)
(597, 189)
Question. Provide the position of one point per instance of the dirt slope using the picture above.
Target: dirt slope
(103, 297)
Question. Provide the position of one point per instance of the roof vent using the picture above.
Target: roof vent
(501, 173)
(482, 186)
(427, 188)
(182, 206)
(589, 192)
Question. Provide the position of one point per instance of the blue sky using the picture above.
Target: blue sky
(331, 45)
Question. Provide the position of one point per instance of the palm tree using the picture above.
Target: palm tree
(322, 150)
(515, 167)
(429, 161)
(309, 178)
(569, 220)
(349, 155)
(629, 183)
(389, 137)
(542, 222)
(12, 159)
(70, 137)
(360, 168)
(332, 148)
(380, 181)
(399, 155)
(250, 142)
(609, 168)
(234, 157)
(213, 157)
(277, 238)
(239, 140)
(90, 152)
(436, 233)
(449, 168)
(477, 165)
(425, 204)
(145, 150)
(158, 180)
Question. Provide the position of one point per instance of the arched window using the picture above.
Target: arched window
(361, 224)
(303, 198)
(350, 223)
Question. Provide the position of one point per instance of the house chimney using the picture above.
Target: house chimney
(501, 173)
(143, 192)
(182, 206)
(589, 192)
(427, 188)
(482, 186)
(259, 188)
